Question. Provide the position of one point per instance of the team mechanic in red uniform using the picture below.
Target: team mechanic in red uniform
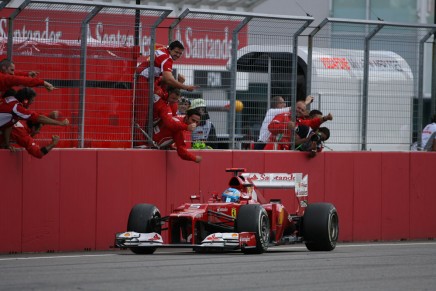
(13, 108)
(23, 134)
(281, 127)
(163, 78)
(165, 136)
(164, 111)
(8, 79)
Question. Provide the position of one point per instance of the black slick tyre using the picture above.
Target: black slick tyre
(144, 218)
(320, 227)
(254, 218)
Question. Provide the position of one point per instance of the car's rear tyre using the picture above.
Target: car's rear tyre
(320, 227)
(254, 218)
(144, 218)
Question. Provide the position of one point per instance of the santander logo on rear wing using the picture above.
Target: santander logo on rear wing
(280, 181)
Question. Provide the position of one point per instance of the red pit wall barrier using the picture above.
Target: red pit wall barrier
(367, 196)
(11, 200)
(126, 178)
(422, 196)
(41, 200)
(339, 189)
(395, 171)
(78, 199)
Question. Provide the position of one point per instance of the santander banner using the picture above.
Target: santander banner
(206, 41)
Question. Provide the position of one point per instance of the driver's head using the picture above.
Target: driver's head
(231, 195)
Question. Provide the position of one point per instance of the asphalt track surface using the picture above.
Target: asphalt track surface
(380, 266)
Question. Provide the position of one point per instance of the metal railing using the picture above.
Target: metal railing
(368, 74)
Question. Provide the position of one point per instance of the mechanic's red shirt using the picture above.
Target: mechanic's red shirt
(162, 62)
(21, 135)
(164, 113)
(163, 133)
(9, 81)
(11, 110)
(280, 138)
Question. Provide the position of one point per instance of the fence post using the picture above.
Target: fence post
(4, 3)
(151, 74)
(233, 76)
(11, 27)
(421, 83)
(309, 55)
(82, 89)
(365, 85)
(294, 62)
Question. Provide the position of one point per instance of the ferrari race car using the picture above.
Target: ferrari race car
(238, 219)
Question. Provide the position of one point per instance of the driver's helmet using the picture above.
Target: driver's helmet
(231, 195)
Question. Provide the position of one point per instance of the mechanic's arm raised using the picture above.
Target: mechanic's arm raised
(168, 79)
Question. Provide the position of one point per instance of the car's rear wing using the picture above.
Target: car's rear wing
(279, 181)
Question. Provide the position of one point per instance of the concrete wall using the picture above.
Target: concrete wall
(74, 200)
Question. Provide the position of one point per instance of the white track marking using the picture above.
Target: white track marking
(55, 257)
(284, 247)
(348, 245)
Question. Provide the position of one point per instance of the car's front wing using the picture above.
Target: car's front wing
(225, 241)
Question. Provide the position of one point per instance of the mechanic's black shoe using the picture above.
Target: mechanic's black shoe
(313, 150)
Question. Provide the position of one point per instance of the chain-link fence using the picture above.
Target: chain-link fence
(89, 52)
(368, 74)
(233, 82)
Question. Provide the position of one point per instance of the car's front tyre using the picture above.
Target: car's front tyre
(254, 218)
(144, 218)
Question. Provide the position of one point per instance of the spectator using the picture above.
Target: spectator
(281, 127)
(184, 105)
(13, 107)
(205, 131)
(278, 106)
(165, 136)
(428, 137)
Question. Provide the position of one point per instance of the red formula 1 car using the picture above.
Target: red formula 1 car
(241, 218)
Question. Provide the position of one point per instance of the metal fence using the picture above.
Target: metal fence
(368, 74)
(89, 52)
